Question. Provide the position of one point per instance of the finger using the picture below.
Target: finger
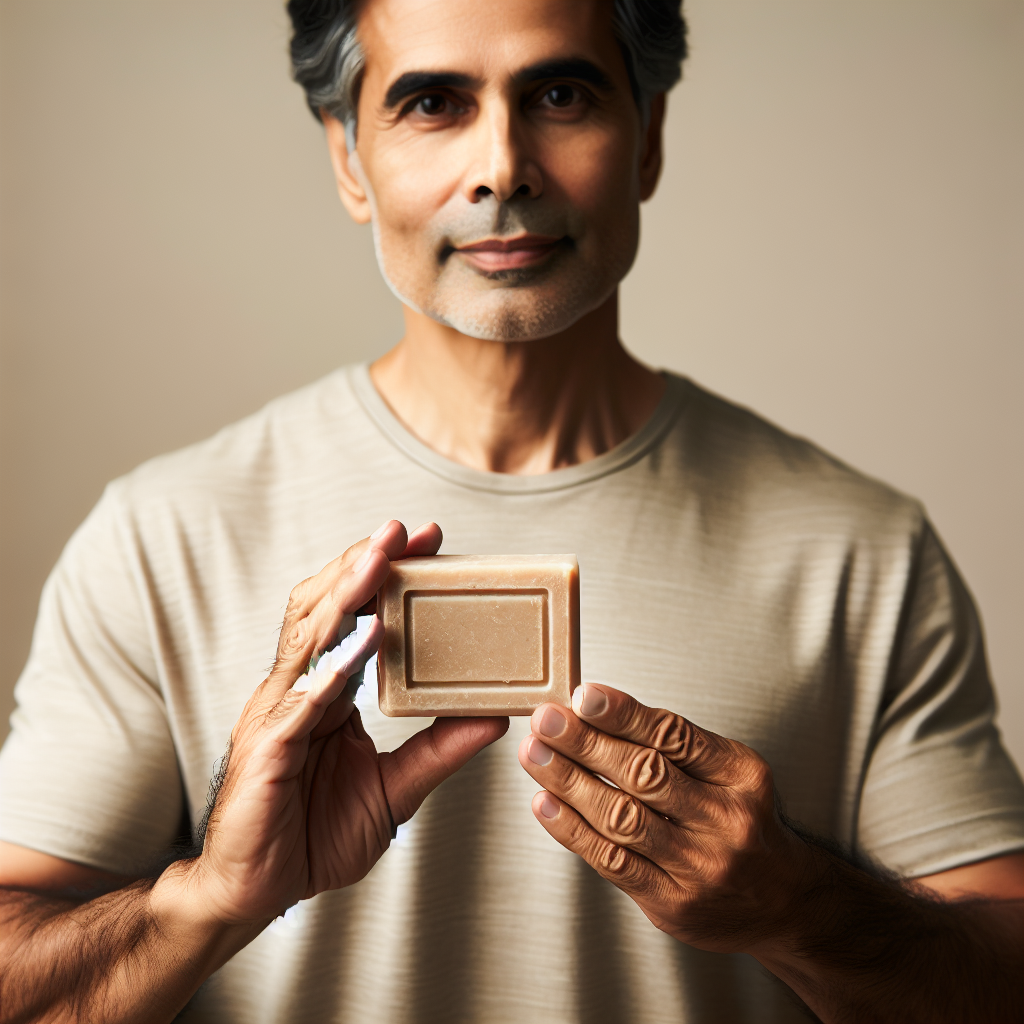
(636, 876)
(425, 760)
(335, 600)
(325, 686)
(327, 680)
(317, 605)
(700, 754)
(390, 538)
(424, 540)
(638, 770)
(336, 714)
(304, 633)
(617, 815)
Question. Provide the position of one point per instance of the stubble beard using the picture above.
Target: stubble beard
(514, 305)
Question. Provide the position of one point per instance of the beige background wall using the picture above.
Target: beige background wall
(838, 242)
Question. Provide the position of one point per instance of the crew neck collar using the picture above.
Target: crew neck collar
(629, 451)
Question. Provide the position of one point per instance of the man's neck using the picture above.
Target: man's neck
(523, 407)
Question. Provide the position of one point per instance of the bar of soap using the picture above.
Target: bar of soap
(479, 634)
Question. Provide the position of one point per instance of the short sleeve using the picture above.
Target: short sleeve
(89, 771)
(939, 790)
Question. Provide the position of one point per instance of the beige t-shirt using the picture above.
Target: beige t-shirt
(729, 571)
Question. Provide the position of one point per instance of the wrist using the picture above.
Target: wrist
(184, 915)
(807, 887)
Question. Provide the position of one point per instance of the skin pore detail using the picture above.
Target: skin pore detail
(503, 186)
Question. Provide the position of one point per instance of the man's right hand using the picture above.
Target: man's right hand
(307, 803)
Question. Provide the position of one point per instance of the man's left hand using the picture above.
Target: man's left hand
(687, 825)
(691, 832)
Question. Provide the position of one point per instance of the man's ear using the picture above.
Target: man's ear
(346, 165)
(651, 153)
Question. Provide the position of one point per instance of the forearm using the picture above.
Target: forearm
(137, 954)
(858, 948)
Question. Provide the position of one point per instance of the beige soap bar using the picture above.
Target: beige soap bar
(479, 634)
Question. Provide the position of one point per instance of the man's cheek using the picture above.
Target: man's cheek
(401, 230)
(593, 174)
(406, 231)
(405, 269)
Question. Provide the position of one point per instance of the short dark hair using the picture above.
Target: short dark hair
(327, 60)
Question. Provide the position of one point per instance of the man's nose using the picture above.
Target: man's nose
(501, 163)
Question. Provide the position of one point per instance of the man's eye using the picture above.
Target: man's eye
(432, 105)
(560, 96)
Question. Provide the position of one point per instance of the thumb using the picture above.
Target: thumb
(425, 760)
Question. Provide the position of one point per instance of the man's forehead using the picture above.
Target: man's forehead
(480, 38)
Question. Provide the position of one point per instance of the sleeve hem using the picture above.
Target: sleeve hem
(77, 846)
(959, 859)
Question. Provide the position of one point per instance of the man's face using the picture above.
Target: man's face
(502, 158)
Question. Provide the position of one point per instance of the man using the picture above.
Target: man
(805, 620)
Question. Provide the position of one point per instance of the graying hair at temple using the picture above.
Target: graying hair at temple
(327, 60)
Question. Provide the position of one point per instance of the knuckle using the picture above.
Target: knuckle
(579, 836)
(672, 735)
(625, 819)
(753, 774)
(294, 638)
(297, 596)
(613, 861)
(573, 782)
(343, 564)
(281, 709)
(760, 778)
(587, 743)
(741, 828)
(646, 772)
(339, 591)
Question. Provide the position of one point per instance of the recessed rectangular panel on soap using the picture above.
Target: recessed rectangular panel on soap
(479, 634)
(485, 637)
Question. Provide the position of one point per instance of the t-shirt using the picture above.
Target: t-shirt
(729, 572)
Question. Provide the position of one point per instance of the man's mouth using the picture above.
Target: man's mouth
(494, 254)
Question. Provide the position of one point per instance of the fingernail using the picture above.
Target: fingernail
(362, 560)
(593, 702)
(550, 723)
(380, 530)
(548, 806)
(539, 753)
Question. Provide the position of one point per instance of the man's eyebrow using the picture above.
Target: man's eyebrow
(569, 67)
(416, 81)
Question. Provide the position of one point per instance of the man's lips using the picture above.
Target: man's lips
(491, 254)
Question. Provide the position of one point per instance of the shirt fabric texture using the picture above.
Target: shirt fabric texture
(729, 572)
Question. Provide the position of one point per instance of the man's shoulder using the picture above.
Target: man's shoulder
(288, 444)
(741, 459)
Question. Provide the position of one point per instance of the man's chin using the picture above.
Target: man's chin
(515, 314)
(517, 304)
(513, 321)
